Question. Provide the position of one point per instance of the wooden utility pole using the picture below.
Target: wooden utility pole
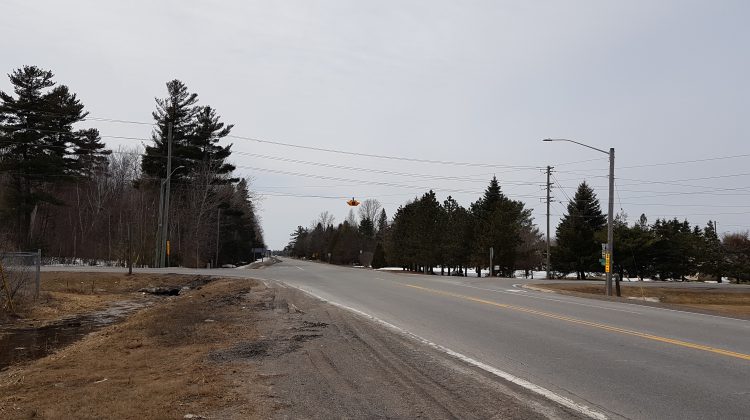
(130, 252)
(218, 231)
(165, 225)
(549, 186)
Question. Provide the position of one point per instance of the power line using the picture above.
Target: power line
(682, 162)
(370, 155)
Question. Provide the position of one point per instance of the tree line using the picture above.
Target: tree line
(63, 191)
(667, 249)
(425, 234)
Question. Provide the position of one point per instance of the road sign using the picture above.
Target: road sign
(604, 250)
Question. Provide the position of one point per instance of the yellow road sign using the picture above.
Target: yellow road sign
(607, 266)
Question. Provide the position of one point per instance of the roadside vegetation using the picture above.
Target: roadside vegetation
(710, 299)
(62, 191)
(425, 234)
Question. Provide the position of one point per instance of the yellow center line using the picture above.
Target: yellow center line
(589, 323)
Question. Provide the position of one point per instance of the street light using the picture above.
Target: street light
(610, 234)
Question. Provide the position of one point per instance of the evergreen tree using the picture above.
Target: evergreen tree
(38, 145)
(205, 147)
(675, 249)
(297, 242)
(240, 230)
(577, 248)
(378, 259)
(404, 236)
(428, 223)
(90, 156)
(713, 253)
(179, 109)
(498, 222)
(737, 246)
(456, 234)
(382, 224)
(367, 228)
(634, 247)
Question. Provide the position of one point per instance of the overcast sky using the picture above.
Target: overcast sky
(464, 81)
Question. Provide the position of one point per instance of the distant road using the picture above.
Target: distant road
(610, 358)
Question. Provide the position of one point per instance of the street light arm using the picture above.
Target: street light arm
(173, 171)
(580, 144)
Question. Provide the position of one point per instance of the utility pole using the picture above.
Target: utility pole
(130, 252)
(157, 248)
(165, 225)
(608, 257)
(492, 251)
(218, 229)
(549, 185)
(610, 230)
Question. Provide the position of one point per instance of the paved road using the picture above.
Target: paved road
(617, 359)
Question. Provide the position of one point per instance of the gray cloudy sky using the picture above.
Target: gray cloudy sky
(469, 81)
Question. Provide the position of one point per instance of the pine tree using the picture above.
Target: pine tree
(378, 259)
(456, 234)
(205, 147)
(367, 228)
(498, 222)
(36, 138)
(179, 109)
(675, 249)
(382, 224)
(196, 133)
(240, 230)
(577, 248)
(713, 253)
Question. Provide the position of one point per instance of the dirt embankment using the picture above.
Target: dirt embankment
(67, 294)
(239, 349)
(719, 300)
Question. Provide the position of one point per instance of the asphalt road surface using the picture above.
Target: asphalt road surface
(606, 359)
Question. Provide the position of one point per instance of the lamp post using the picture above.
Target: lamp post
(610, 234)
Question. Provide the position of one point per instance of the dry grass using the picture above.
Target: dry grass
(69, 293)
(724, 302)
(150, 366)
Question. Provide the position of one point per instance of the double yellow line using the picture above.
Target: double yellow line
(589, 323)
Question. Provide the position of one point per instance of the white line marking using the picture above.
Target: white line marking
(566, 402)
(299, 268)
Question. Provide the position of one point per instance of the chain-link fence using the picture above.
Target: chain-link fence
(20, 277)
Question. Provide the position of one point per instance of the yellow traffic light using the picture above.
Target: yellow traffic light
(352, 202)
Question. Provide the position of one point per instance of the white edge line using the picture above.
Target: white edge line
(566, 402)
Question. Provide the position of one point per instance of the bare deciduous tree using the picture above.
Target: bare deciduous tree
(369, 209)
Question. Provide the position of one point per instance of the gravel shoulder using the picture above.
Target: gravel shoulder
(724, 300)
(242, 349)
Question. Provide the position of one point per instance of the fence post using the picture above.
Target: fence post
(38, 270)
